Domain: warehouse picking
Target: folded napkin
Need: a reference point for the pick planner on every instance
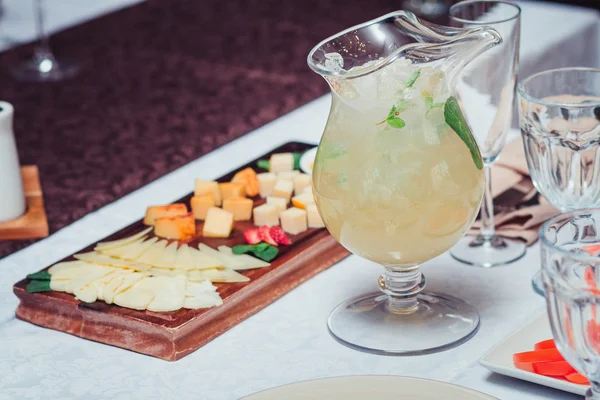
(511, 188)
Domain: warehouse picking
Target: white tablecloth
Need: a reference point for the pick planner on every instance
(285, 342)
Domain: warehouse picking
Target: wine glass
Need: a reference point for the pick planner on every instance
(560, 125)
(570, 244)
(398, 177)
(43, 66)
(486, 89)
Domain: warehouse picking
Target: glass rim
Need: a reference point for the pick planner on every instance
(586, 258)
(523, 93)
(498, 21)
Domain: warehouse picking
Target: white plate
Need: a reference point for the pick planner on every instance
(307, 159)
(368, 388)
(499, 359)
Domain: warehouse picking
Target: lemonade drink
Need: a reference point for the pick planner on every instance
(398, 178)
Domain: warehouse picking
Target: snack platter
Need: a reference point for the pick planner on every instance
(171, 335)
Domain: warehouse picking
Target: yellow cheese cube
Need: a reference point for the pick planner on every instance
(206, 187)
(302, 200)
(283, 189)
(240, 207)
(288, 175)
(201, 204)
(232, 189)
(293, 220)
(266, 183)
(314, 218)
(171, 210)
(300, 182)
(266, 214)
(279, 203)
(281, 162)
(219, 223)
(180, 227)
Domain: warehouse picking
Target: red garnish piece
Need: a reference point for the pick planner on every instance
(545, 345)
(251, 236)
(577, 378)
(264, 234)
(547, 355)
(553, 368)
(279, 235)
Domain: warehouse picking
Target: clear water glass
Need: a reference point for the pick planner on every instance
(560, 124)
(571, 275)
(486, 89)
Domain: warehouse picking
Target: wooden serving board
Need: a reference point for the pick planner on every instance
(173, 335)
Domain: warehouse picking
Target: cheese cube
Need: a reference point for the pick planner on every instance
(248, 178)
(240, 207)
(266, 215)
(266, 183)
(219, 223)
(293, 220)
(171, 210)
(201, 204)
(279, 203)
(314, 218)
(308, 189)
(283, 189)
(300, 182)
(288, 175)
(180, 227)
(281, 162)
(206, 187)
(232, 189)
(302, 200)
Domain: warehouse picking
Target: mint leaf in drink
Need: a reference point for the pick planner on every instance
(392, 112)
(412, 78)
(428, 102)
(40, 276)
(456, 120)
(36, 286)
(396, 122)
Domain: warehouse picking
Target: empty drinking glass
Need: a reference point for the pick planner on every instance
(571, 275)
(560, 124)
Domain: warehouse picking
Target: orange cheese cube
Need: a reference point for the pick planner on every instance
(171, 210)
(293, 220)
(180, 227)
(240, 207)
(201, 204)
(208, 187)
(232, 189)
(249, 179)
(219, 223)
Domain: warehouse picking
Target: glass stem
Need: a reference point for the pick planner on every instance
(42, 50)
(488, 230)
(402, 285)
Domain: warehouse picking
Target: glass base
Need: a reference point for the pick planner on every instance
(488, 252)
(367, 324)
(538, 283)
(46, 70)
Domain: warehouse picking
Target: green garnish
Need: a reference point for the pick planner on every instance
(428, 102)
(264, 251)
(393, 118)
(456, 120)
(265, 164)
(36, 286)
(41, 276)
(412, 78)
(297, 157)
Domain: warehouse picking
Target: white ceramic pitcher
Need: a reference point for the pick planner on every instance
(12, 198)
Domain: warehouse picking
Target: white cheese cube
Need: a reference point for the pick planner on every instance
(283, 189)
(281, 162)
(266, 214)
(266, 183)
(308, 189)
(279, 203)
(219, 223)
(288, 175)
(314, 218)
(293, 220)
(302, 181)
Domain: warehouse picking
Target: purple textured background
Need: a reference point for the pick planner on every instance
(163, 83)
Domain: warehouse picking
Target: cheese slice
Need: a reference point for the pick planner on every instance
(58, 285)
(114, 288)
(248, 261)
(160, 271)
(226, 260)
(224, 275)
(136, 297)
(203, 300)
(154, 253)
(108, 291)
(169, 293)
(100, 283)
(122, 242)
(196, 288)
(168, 257)
(103, 259)
(64, 265)
(79, 271)
(118, 251)
(135, 253)
(203, 260)
(178, 272)
(184, 258)
(93, 272)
